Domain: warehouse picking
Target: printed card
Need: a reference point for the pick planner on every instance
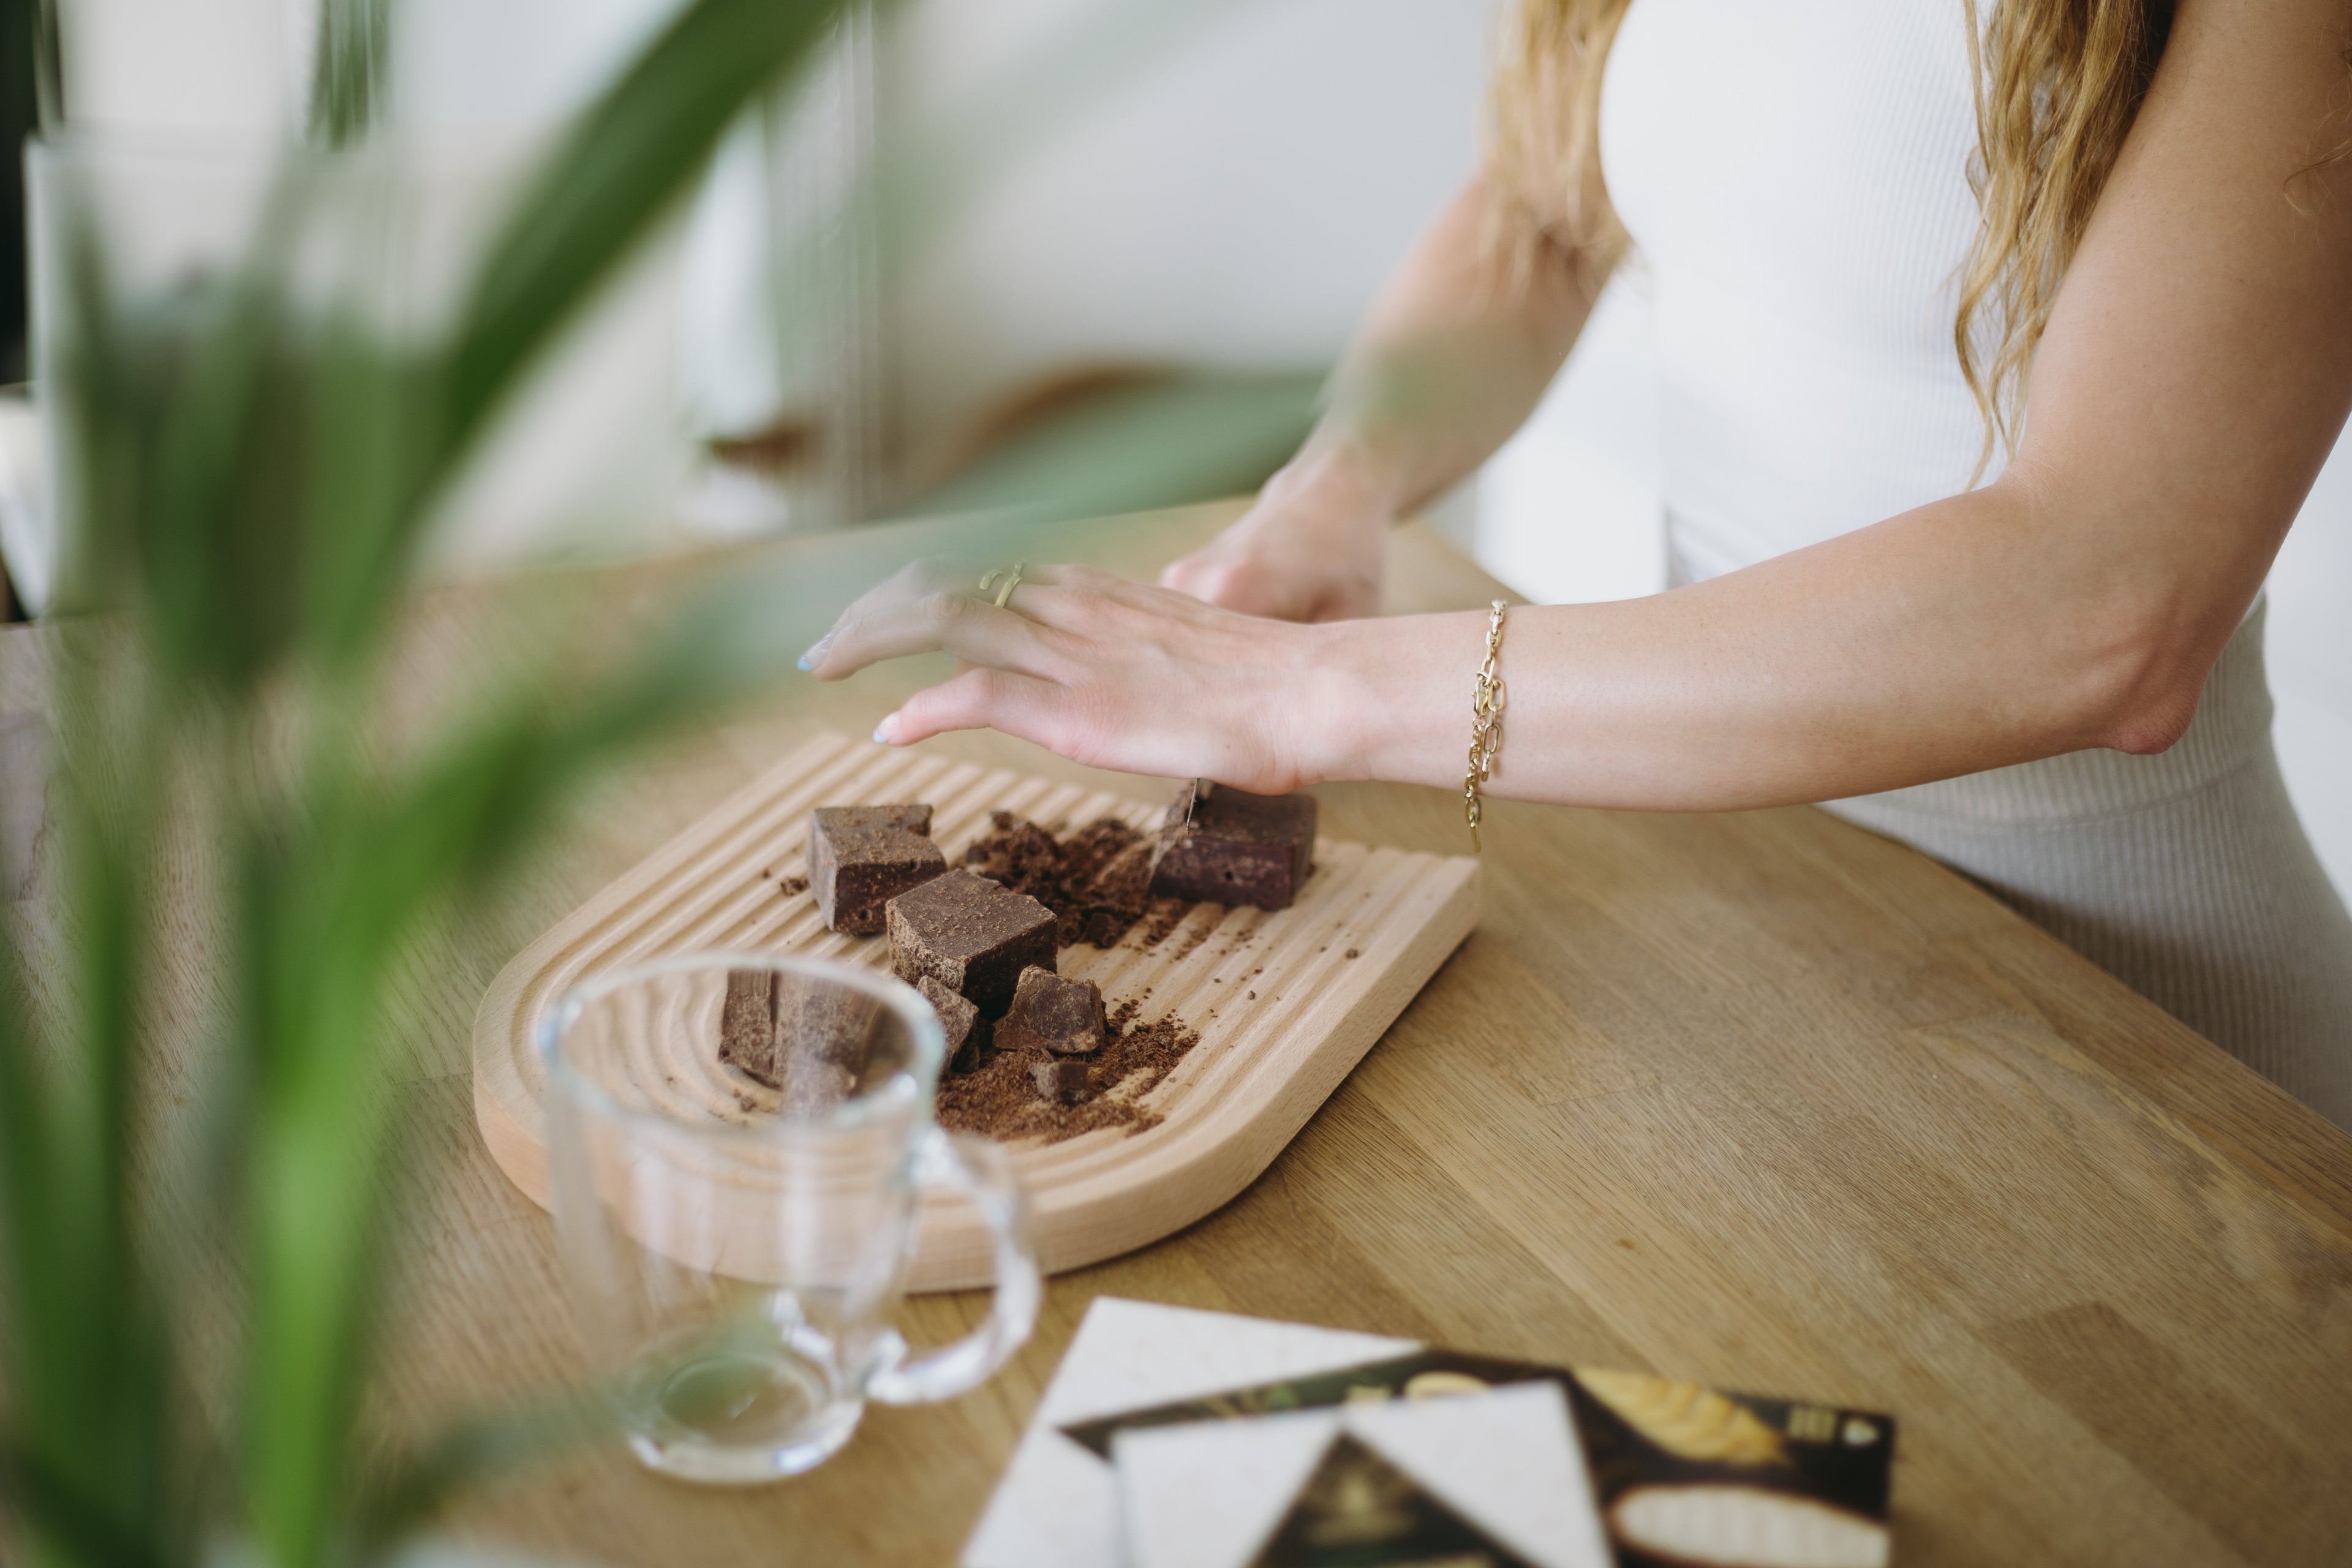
(1679, 1473)
(1487, 1480)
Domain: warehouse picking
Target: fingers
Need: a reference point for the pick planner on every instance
(930, 606)
(914, 613)
(1018, 705)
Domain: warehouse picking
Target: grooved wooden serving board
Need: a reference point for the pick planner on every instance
(1329, 973)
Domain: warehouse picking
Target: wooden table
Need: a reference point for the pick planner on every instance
(1758, 1100)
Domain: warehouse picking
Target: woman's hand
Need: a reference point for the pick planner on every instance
(1309, 550)
(1107, 672)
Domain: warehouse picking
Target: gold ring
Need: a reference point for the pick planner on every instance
(1012, 580)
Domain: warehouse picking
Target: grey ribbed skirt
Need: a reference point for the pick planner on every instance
(2186, 875)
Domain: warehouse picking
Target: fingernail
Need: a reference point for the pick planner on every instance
(815, 651)
(805, 663)
(882, 731)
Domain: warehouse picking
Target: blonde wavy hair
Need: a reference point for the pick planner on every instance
(2057, 85)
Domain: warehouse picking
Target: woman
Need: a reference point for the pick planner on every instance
(1891, 243)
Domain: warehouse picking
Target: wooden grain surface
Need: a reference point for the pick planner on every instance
(1283, 1003)
(1760, 1100)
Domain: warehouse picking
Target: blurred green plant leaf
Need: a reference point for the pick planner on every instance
(348, 61)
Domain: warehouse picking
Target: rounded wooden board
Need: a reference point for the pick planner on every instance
(1330, 975)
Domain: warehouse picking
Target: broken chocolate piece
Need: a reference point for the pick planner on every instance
(1228, 846)
(972, 936)
(966, 1030)
(747, 1024)
(1064, 1016)
(823, 1035)
(1062, 1079)
(818, 1020)
(802, 1037)
(861, 856)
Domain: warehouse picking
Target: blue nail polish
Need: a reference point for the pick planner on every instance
(804, 662)
(880, 738)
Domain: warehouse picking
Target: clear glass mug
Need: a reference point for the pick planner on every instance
(734, 1258)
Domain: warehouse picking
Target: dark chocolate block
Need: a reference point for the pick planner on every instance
(1064, 1016)
(827, 1023)
(966, 1030)
(747, 1024)
(1229, 846)
(972, 936)
(861, 856)
(807, 1039)
(1062, 1079)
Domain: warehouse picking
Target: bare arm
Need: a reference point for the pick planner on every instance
(2196, 372)
(1447, 364)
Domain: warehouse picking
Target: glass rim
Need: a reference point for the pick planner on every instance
(895, 994)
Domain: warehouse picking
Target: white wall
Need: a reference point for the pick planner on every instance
(1233, 201)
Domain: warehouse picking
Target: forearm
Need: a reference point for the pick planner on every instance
(1966, 634)
(1451, 359)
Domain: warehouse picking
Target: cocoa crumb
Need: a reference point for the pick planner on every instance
(1093, 880)
(1000, 1100)
(1349, 954)
(1192, 942)
(792, 885)
(1167, 914)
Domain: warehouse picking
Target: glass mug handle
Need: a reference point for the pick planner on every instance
(981, 1171)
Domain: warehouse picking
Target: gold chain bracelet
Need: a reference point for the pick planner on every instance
(1486, 724)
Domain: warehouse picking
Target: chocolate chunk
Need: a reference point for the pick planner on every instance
(1064, 1016)
(825, 1034)
(824, 1022)
(972, 936)
(1229, 846)
(966, 1030)
(747, 1024)
(804, 1037)
(861, 856)
(1062, 1079)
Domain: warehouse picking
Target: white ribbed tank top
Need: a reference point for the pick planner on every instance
(1795, 181)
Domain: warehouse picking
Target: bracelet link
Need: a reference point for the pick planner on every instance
(1486, 699)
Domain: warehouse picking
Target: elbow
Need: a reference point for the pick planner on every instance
(2146, 728)
(2143, 686)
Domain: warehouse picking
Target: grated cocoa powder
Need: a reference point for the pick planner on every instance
(1096, 881)
(999, 1099)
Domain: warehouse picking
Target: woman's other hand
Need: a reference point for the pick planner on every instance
(1309, 550)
